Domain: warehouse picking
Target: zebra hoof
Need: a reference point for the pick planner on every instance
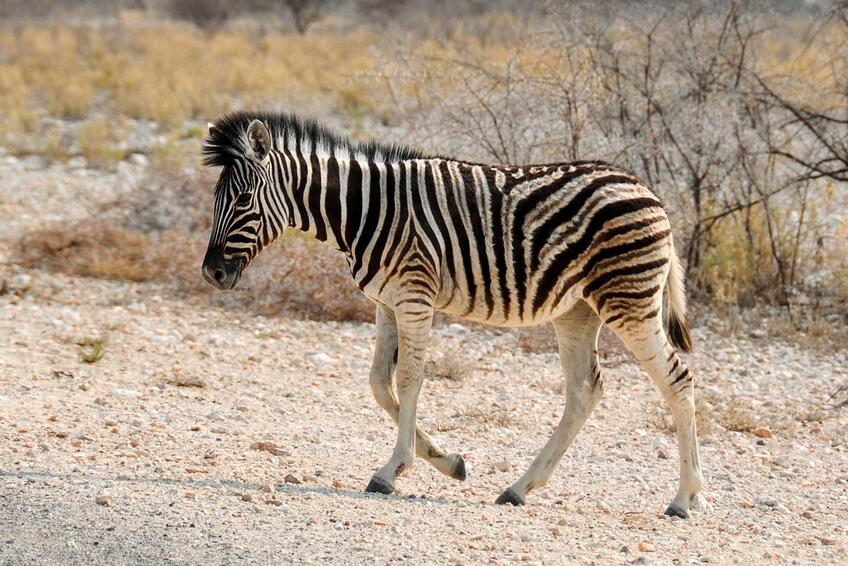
(379, 485)
(675, 511)
(510, 497)
(458, 470)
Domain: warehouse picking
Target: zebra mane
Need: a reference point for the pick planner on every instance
(227, 140)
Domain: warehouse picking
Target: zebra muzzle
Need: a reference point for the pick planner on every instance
(218, 272)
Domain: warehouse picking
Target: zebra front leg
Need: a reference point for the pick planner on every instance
(413, 335)
(577, 335)
(382, 372)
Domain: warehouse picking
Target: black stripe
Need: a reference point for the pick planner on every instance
(354, 203)
(498, 236)
(332, 201)
(611, 252)
(315, 194)
(299, 192)
(421, 214)
(402, 211)
(683, 374)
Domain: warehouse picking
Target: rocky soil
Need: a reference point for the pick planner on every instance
(138, 427)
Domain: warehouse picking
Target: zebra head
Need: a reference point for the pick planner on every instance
(240, 226)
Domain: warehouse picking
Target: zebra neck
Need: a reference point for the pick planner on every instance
(333, 198)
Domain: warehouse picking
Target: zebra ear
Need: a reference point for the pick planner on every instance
(210, 128)
(260, 139)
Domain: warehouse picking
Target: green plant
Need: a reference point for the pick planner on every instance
(92, 350)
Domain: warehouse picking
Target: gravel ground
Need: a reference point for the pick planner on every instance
(205, 436)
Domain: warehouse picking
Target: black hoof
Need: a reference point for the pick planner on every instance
(458, 471)
(675, 511)
(378, 485)
(509, 496)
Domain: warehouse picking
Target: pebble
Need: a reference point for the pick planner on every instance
(190, 494)
(104, 500)
(503, 465)
(291, 478)
(271, 448)
(662, 454)
(647, 547)
(762, 432)
(247, 497)
(310, 478)
(126, 393)
(771, 503)
(266, 486)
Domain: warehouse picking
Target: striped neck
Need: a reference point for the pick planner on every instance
(328, 197)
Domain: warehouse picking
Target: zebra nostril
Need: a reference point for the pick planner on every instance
(219, 275)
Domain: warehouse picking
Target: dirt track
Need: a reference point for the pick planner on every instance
(177, 461)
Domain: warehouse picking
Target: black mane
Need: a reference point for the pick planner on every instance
(227, 140)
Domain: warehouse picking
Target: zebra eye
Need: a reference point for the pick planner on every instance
(243, 200)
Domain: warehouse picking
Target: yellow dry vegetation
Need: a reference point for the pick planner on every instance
(169, 72)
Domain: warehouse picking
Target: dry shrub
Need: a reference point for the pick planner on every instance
(737, 416)
(539, 339)
(98, 249)
(304, 278)
(451, 364)
(705, 417)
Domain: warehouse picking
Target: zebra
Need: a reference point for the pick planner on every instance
(579, 245)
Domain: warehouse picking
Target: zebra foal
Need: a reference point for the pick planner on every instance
(575, 244)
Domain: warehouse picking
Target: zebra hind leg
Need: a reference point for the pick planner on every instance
(577, 335)
(645, 337)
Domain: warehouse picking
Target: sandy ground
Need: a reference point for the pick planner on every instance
(163, 430)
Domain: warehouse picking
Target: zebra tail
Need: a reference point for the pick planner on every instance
(675, 306)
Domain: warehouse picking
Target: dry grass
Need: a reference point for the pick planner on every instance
(450, 364)
(179, 379)
(839, 399)
(98, 142)
(478, 419)
(130, 70)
